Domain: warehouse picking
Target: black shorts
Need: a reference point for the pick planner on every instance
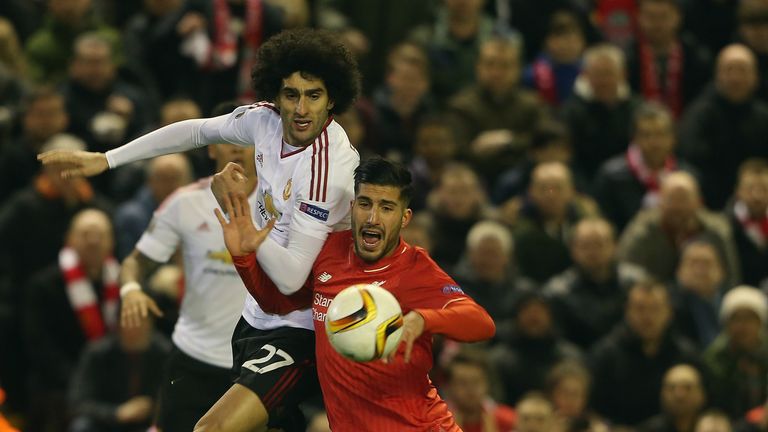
(189, 388)
(279, 366)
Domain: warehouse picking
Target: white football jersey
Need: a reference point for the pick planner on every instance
(214, 293)
(308, 190)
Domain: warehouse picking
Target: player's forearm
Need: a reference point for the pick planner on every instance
(462, 320)
(289, 267)
(174, 138)
(264, 291)
(135, 267)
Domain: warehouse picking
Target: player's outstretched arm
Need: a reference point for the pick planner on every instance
(462, 320)
(136, 304)
(74, 163)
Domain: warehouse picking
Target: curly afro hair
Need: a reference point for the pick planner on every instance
(316, 52)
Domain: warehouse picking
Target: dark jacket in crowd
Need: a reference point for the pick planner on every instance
(586, 310)
(628, 382)
(716, 136)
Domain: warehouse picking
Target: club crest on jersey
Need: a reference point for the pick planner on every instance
(287, 190)
(314, 211)
(260, 159)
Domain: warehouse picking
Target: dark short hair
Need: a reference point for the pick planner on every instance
(382, 172)
(470, 356)
(318, 53)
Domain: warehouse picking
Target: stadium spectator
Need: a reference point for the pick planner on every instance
(664, 64)
(588, 298)
(555, 69)
(43, 116)
(51, 48)
(114, 387)
(599, 113)
(654, 238)
(697, 292)
(737, 361)
(455, 204)
(748, 216)
(468, 386)
(635, 355)
(165, 174)
(486, 271)
(528, 345)
(631, 181)
(534, 413)
(568, 386)
(725, 124)
(547, 217)
(715, 421)
(683, 397)
(752, 19)
(402, 101)
(434, 149)
(68, 304)
(494, 117)
(453, 42)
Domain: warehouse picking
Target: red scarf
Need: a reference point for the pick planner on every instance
(224, 53)
(93, 320)
(651, 180)
(669, 92)
(544, 77)
(755, 229)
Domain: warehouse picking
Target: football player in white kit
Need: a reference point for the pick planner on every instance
(198, 370)
(305, 166)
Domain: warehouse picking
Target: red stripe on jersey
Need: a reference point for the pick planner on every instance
(320, 169)
(278, 388)
(266, 105)
(312, 181)
(327, 165)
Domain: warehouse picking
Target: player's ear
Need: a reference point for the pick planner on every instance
(407, 215)
(330, 105)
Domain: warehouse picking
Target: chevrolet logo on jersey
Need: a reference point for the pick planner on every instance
(222, 255)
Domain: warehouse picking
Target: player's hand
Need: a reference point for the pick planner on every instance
(240, 234)
(136, 305)
(75, 163)
(413, 327)
(135, 410)
(231, 179)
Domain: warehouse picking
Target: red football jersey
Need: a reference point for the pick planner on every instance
(375, 396)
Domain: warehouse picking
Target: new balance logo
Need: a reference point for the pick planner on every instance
(378, 283)
(324, 277)
(203, 227)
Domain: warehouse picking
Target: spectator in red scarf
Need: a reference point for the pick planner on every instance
(69, 304)
(748, 215)
(665, 65)
(630, 182)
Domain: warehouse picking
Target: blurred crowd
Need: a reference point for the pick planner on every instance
(593, 172)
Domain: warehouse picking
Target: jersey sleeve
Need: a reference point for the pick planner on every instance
(265, 292)
(161, 238)
(325, 195)
(240, 127)
(443, 305)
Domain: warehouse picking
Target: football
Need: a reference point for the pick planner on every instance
(364, 322)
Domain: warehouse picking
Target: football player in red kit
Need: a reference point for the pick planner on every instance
(383, 396)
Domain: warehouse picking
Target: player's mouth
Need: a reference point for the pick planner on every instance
(302, 125)
(371, 239)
